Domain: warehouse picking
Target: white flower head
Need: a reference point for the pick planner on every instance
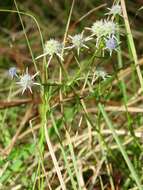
(78, 41)
(52, 47)
(26, 81)
(101, 73)
(103, 28)
(97, 28)
(114, 10)
(110, 28)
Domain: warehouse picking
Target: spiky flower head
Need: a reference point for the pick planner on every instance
(103, 28)
(110, 28)
(101, 73)
(111, 44)
(26, 81)
(52, 47)
(114, 10)
(78, 41)
(97, 28)
(12, 72)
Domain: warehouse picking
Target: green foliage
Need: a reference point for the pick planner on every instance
(78, 129)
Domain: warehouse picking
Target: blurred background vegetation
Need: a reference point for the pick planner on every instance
(18, 168)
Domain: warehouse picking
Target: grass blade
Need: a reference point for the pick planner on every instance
(54, 159)
(121, 148)
(131, 43)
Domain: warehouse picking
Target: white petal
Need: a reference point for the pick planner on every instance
(35, 75)
(30, 89)
(36, 83)
(42, 55)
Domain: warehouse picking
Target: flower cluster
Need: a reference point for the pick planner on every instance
(104, 31)
(103, 28)
(26, 81)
